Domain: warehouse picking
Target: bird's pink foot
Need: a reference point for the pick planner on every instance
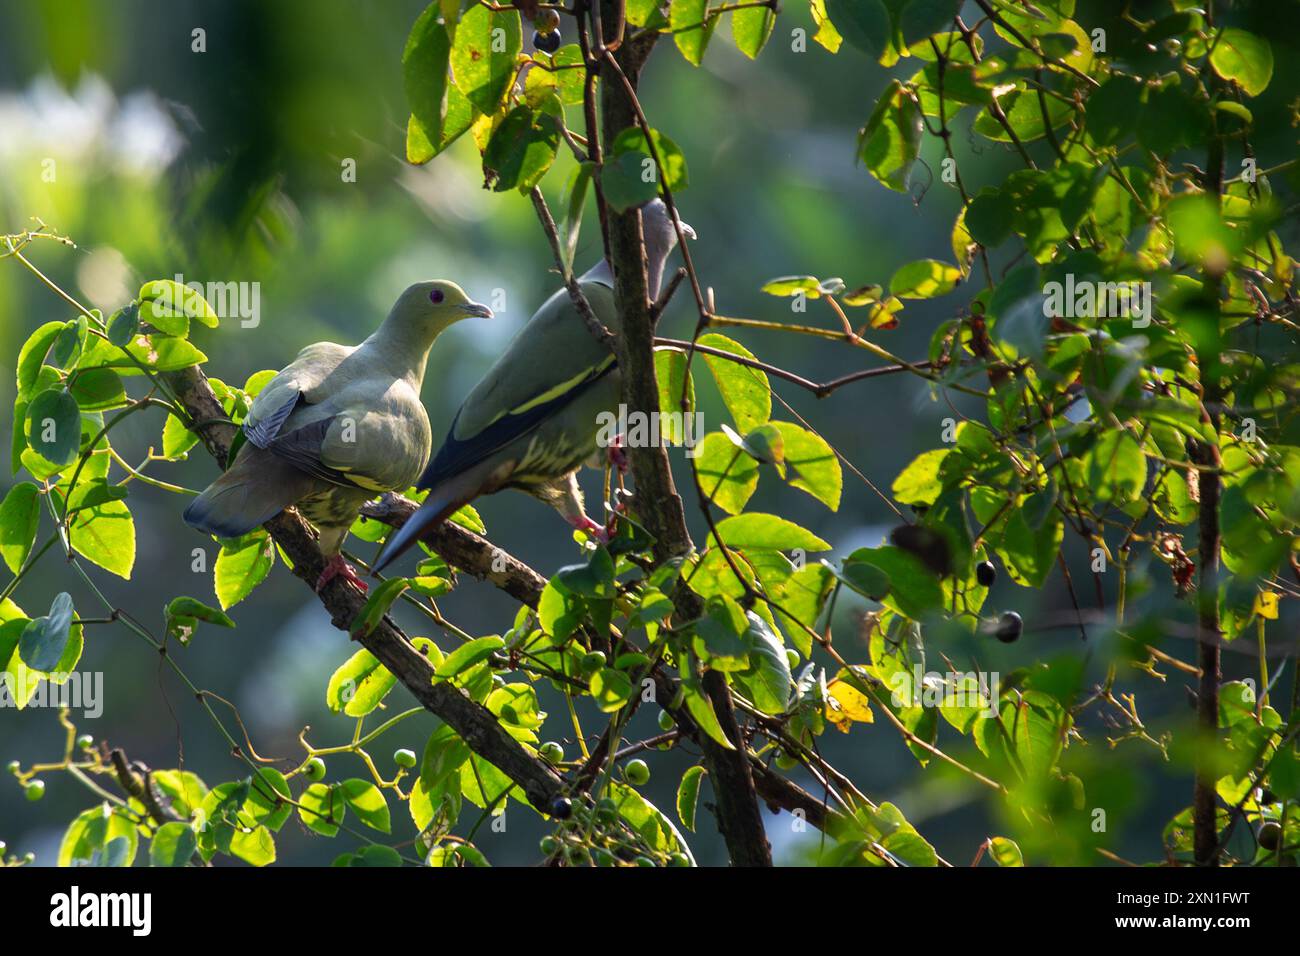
(617, 453)
(587, 526)
(337, 567)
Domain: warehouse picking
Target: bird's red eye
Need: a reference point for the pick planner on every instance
(435, 296)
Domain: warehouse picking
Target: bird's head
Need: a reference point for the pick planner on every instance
(427, 308)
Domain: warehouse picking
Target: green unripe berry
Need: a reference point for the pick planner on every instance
(34, 790)
(577, 855)
(592, 661)
(644, 861)
(85, 741)
(404, 758)
(315, 769)
(549, 845)
(604, 858)
(637, 773)
(29, 857)
(547, 21)
(791, 658)
(14, 767)
(552, 752)
(666, 721)
(3, 846)
(679, 859)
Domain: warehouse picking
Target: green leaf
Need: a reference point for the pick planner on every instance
(377, 604)
(701, 710)
(611, 689)
(123, 325)
(32, 356)
(864, 23)
(769, 532)
(45, 639)
(322, 808)
(1005, 852)
(359, 685)
(567, 83)
(105, 535)
(368, 803)
(629, 180)
(1244, 58)
(242, 565)
(559, 611)
(789, 285)
(750, 28)
(89, 835)
(269, 800)
(1117, 469)
(919, 483)
(483, 53)
(768, 681)
(54, 426)
(727, 475)
(891, 141)
(159, 352)
(688, 795)
(720, 635)
(671, 161)
(521, 149)
(914, 591)
(168, 306)
(98, 389)
(183, 614)
(924, 279)
(670, 375)
(20, 516)
(424, 74)
(469, 654)
(990, 216)
(745, 391)
(810, 464)
(691, 32)
(173, 844)
(176, 438)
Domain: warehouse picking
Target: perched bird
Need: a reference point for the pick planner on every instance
(337, 427)
(532, 421)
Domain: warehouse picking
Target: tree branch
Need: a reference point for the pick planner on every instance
(739, 816)
(475, 724)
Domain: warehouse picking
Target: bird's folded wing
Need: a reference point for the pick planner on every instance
(458, 454)
(551, 361)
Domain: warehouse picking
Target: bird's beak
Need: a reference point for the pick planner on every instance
(687, 231)
(477, 309)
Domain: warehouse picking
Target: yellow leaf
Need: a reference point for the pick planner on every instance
(1266, 605)
(847, 705)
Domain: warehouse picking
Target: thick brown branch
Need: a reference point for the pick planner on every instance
(473, 722)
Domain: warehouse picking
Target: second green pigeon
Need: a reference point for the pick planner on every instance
(533, 420)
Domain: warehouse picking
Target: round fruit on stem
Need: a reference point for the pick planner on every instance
(315, 769)
(1010, 627)
(637, 772)
(547, 21)
(404, 758)
(547, 42)
(986, 574)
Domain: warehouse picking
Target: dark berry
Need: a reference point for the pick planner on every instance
(1270, 835)
(986, 574)
(547, 42)
(561, 808)
(1009, 627)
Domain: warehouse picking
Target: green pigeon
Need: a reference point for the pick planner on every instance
(534, 418)
(337, 427)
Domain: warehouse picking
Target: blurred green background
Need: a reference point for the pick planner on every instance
(226, 166)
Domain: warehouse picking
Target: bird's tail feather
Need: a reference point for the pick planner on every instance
(255, 489)
(436, 509)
